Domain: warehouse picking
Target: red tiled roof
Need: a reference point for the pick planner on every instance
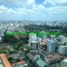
(21, 62)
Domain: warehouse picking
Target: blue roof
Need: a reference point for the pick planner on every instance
(41, 63)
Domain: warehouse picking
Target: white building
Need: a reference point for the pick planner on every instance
(64, 63)
(33, 41)
(51, 45)
(34, 44)
(32, 37)
(62, 39)
(62, 50)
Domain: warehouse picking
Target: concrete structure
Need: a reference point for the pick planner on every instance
(32, 37)
(43, 44)
(53, 58)
(2, 32)
(1, 39)
(20, 64)
(33, 55)
(62, 39)
(51, 46)
(62, 50)
(52, 36)
(64, 63)
(41, 63)
(33, 42)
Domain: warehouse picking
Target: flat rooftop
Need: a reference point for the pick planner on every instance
(65, 60)
(53, 58)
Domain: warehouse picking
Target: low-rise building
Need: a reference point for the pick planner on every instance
(21, 63)
(53, 58)
(63, 50)
(41, 63)
(33, 56)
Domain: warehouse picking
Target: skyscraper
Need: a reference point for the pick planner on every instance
(51, 46)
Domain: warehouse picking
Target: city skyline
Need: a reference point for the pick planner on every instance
(33, 10)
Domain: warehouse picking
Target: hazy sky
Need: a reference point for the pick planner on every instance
(33, 9)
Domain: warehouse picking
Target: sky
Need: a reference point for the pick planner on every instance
(37, 10)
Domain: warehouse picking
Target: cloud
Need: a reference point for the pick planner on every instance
(60, 1)
(28, 7)
(15, 1)
(56, 6)
(30, 1)
(3, 9)
(57, 10)
(30, 10)
(56, 2)
(22, 1)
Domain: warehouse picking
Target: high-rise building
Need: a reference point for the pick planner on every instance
(62, 50)
(51, 46)
(61, 39)
(34, 44)
(32, 37)
(33, 41)
(64, 63)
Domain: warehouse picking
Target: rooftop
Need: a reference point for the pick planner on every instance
(65, 60)
(5, 60)
(41, 63)
(53, 58)
(21, 62)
